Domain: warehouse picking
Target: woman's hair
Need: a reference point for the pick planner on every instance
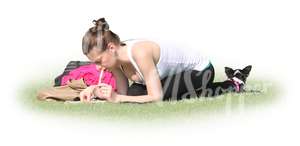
(99, 36)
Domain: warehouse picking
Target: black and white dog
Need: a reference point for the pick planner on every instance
(237, 77)
(236, 80)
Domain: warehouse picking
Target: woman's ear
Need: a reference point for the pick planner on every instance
(111, 47)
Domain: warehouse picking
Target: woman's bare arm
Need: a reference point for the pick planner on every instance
(145, 62)
(121, 81)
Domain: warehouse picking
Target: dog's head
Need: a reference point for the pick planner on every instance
(239, 75)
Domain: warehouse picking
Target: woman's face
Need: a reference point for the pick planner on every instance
(105, 58)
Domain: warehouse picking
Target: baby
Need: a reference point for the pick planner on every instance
(105, 77)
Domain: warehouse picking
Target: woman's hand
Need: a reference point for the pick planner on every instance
(105, 91)
(87, 94)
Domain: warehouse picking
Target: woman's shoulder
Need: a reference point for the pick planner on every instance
(140, 42)
(141, 45)
(141, 49)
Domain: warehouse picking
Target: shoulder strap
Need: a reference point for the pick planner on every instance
(129, 53)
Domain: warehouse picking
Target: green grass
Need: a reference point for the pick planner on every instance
(151, 111)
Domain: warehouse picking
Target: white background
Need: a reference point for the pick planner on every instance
(40, 36)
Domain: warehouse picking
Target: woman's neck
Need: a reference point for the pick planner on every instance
(122, 55)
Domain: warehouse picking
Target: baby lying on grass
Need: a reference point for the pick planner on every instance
(76, 81)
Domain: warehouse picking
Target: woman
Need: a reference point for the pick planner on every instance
(158, 72)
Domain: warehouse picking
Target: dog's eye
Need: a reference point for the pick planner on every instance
(238, 75)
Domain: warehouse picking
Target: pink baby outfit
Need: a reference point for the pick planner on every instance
(90, 75)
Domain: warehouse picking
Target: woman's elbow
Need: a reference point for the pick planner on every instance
(157, 97)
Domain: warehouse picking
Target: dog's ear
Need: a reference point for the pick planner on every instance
(247, 70)
(229, 72)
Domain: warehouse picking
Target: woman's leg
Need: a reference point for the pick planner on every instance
(187, 84)
(180, 86)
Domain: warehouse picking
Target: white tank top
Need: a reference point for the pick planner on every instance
(173, 59)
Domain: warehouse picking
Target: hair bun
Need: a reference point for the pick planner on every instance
(101, 24)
